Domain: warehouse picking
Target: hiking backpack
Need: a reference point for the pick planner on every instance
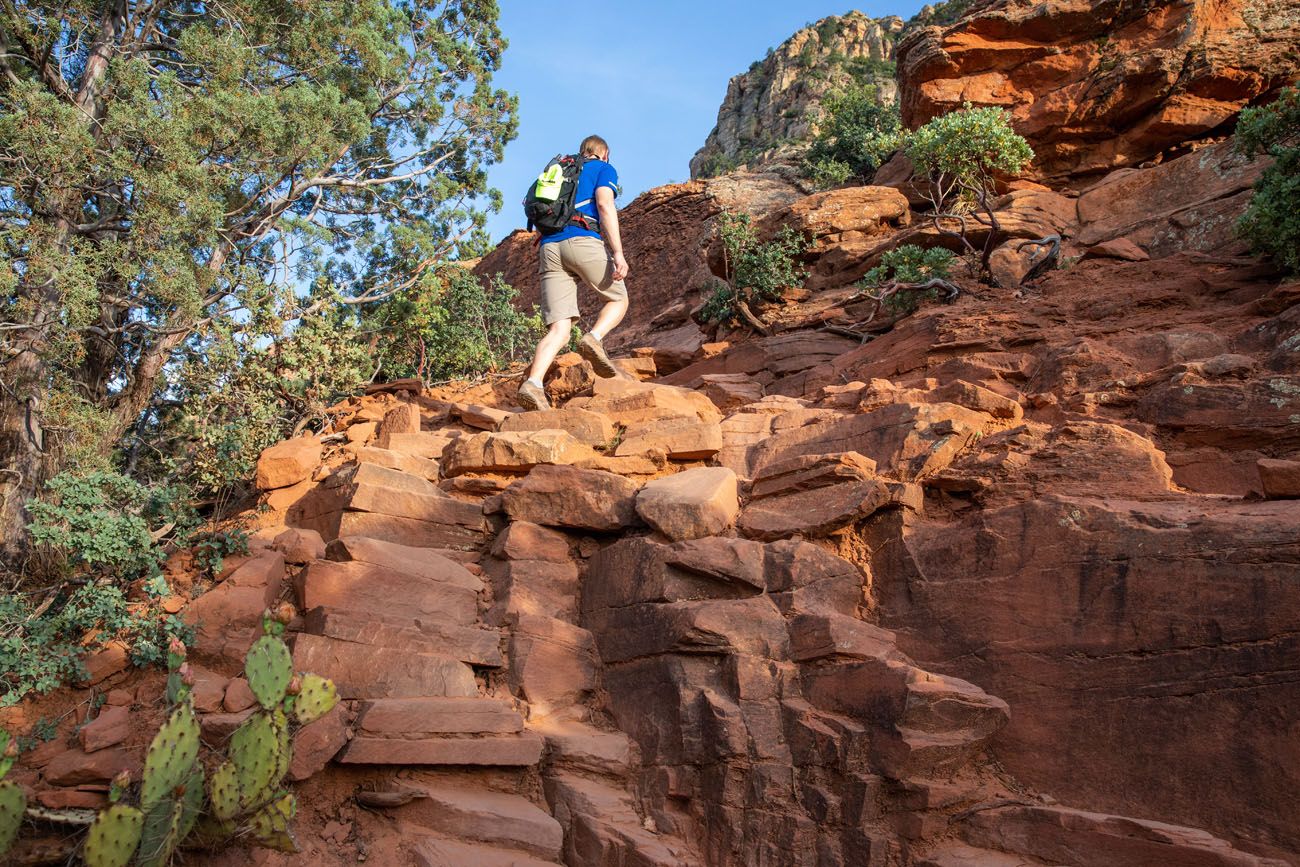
(550, 203)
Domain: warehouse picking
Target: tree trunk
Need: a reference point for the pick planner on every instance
(24, 463)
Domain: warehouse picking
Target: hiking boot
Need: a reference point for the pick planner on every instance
(531, 397)
(590, 349)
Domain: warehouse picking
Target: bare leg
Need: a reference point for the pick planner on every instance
(549, 347)
(610, 315)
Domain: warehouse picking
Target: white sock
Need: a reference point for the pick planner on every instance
(534, 382)
(600, 338)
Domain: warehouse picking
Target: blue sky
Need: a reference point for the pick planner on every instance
(648, 76)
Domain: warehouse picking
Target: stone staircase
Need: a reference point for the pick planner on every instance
(572, 637)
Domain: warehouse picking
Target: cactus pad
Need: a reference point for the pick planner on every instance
(317, 698)
(284, 744)
(270, 825)
(255, 753)
(269, 668)
(223, 792)
(114, 837)
(191, 802)
(161, 833)
(13, 801)
(6, 760)
(170, 758)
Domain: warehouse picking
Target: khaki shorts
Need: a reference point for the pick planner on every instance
(563, 264)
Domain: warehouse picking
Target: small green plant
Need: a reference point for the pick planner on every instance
(907, 276)
(42, 645)
(958, 157)
(856, 134)
(243, 797)
(755, 271)
(1272, 222)
(13, 800)
(212, 549)
(828, 29)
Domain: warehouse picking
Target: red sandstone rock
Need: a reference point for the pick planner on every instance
(360, 671)
(591, 428)
(568, 497)
(690, 504)
(238, 697)
(419, 562)
(515, 451)
(364, 588)
(401, 419)
(1091, 90)
(524, 541)
(491, 817)
(316, 743)
(1117, 248)
(74, 767)
(300, 546)
(1281, 479)
(71, 799)
(287, 463)
(113, 658)
(416, 466)
(111, 727)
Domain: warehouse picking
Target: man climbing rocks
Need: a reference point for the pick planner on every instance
(577, 252)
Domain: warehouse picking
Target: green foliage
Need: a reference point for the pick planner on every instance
(41, 646)
(941, 14)
(856, 134)
(969, 148)
(1272, 221)
(957, 158)
(453, 325)
(868, 70)
(163, 211)
(13, 803)
(102, 523)
(756, 271)
(895, 280)
(828, 29)
(212, 549)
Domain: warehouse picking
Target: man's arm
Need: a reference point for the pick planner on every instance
(609, 228)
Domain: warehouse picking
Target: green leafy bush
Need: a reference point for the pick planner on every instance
(755, 271)
(957, 158)
(1272, 221)
(856, 135)
(103, 523)
(41, 646)
(900, 281)
(454, 325)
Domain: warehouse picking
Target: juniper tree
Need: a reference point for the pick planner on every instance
(168, 166)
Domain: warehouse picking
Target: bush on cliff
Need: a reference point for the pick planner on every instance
(857, 133)
(958, 157)
(756, 271)
(1272, 221)
(907, 276)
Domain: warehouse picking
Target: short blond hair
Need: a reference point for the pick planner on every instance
(594, 146)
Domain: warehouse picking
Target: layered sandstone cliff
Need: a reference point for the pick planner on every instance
(771, 109)
(1099, 84)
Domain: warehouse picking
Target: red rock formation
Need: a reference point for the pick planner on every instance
(1099, 84)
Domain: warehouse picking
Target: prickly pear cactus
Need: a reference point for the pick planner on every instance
(269, 668)
(171, 757)
(161, 833)
(255, 752)
(270, 825)
(223, 792)
(13, 801)
(316, 698)
(114, 837)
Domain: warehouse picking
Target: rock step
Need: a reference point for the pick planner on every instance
(441, 852)
(414, 560)
(602, 825)
(495, 818)
(369, 589)
(589, 749)
(363, 671)
(957, 855)
(422, 717)
(472, 644)
(487, 750)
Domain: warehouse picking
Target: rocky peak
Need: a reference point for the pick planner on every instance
(771, 106)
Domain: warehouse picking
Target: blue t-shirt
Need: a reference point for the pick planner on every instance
(595, 174)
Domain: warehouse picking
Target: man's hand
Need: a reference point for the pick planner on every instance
(620, 266)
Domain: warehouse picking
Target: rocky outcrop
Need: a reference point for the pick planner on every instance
(1097, 84)
(772, 107)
